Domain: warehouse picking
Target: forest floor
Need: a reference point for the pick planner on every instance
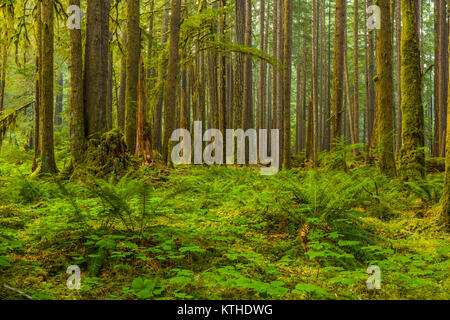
(220, 233)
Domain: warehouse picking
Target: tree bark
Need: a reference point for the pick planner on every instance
(133, 54)
(143, 131)
(442, 74)
(37, 90)
(247, 114)
(446, 194)
(238, 91)
(76, 103)
(287, 50)
(59, 99)
(262, 71)
(157, 115)
(123, 85)
(96, 68)
(385, 91)
(412, 154)
(172, 78)
(48, 164)
(399, 72)
(356, 72)
(338, 76)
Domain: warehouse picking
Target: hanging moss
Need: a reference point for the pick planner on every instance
(8, 121)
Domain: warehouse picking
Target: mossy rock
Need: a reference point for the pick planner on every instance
(105, 156)
(435, 165)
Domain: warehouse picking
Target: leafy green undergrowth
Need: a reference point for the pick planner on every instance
(221, 233)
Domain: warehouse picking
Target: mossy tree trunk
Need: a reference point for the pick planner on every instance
(37, 88)
(48, 164)
(132, 65)
(412, 154)
(76, 103)
(398, 35)
(442, 51)
(446, 194)
(385, 91)
(123, 85)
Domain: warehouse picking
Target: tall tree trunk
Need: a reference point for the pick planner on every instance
(143, 130)
(287, 50)
(247, 115)
(3, 65)
(222, 80)
(442, 73)
(356, 72)
(262, 71)
(338, 68)
(48, 164)
(280, 84)
(76, 103)
(412, 154)
(298, 109)
(314, 76)
(329, 85)
(372, 96)
(157, 115)
(213, 81)
(238, 91)
(399, 72)
(274, 69)
(385, 91)
(348, 97)
(172, 78)
(123, 85)
(446, 194)
(37, 90)
(4, 62)
(437, 72)
(59, 99)
(96, 68)
(304, 105)
(109, 96)
(133, 53)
